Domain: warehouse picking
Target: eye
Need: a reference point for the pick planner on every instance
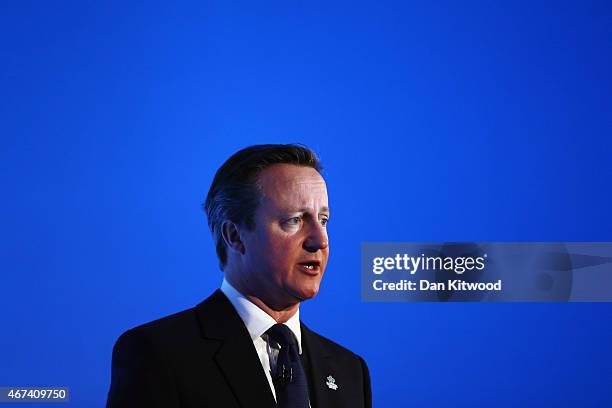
(294, 220)
(324, 221)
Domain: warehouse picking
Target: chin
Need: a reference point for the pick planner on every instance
(308, 293)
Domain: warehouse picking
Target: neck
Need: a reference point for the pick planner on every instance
(279, 314)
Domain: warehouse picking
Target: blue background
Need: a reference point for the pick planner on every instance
(464, 121)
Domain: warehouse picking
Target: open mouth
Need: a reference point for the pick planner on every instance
(310, 267)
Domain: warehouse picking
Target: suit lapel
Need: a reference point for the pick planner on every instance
(320, 364)
(236, 357)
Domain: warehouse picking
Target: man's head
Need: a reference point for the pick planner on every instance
(267, 209)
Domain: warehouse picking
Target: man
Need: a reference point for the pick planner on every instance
(245, 345)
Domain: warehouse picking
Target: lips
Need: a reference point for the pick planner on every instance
(312, 267)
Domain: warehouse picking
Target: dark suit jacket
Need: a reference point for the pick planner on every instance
(204, 357)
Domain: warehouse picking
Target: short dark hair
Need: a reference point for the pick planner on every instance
(235, 194)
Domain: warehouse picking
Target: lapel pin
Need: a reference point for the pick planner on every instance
(331, 383)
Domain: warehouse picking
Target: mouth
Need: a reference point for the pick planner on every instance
(312, 268)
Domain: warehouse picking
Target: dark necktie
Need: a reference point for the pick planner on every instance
(289, 379)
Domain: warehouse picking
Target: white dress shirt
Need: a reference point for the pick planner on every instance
(257, 323)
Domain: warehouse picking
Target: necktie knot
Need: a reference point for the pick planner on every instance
(281, 334)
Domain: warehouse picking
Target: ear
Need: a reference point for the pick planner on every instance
(231, 236)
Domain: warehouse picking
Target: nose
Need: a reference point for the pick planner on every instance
(317, 238)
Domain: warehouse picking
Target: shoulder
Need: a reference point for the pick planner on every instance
(179, 329)
(158, 341)
(146, 358)
(167, 329)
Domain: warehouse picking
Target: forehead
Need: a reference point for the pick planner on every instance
(290, 185)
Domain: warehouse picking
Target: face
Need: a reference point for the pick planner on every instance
(286, 253)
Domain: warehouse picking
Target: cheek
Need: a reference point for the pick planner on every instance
(281, 241)
(276, 250)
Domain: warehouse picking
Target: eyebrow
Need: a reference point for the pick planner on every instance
(323, 210)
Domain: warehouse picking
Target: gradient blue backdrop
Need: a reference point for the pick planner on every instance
(445, 121)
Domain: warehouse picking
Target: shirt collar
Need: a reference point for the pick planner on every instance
(256, 320)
